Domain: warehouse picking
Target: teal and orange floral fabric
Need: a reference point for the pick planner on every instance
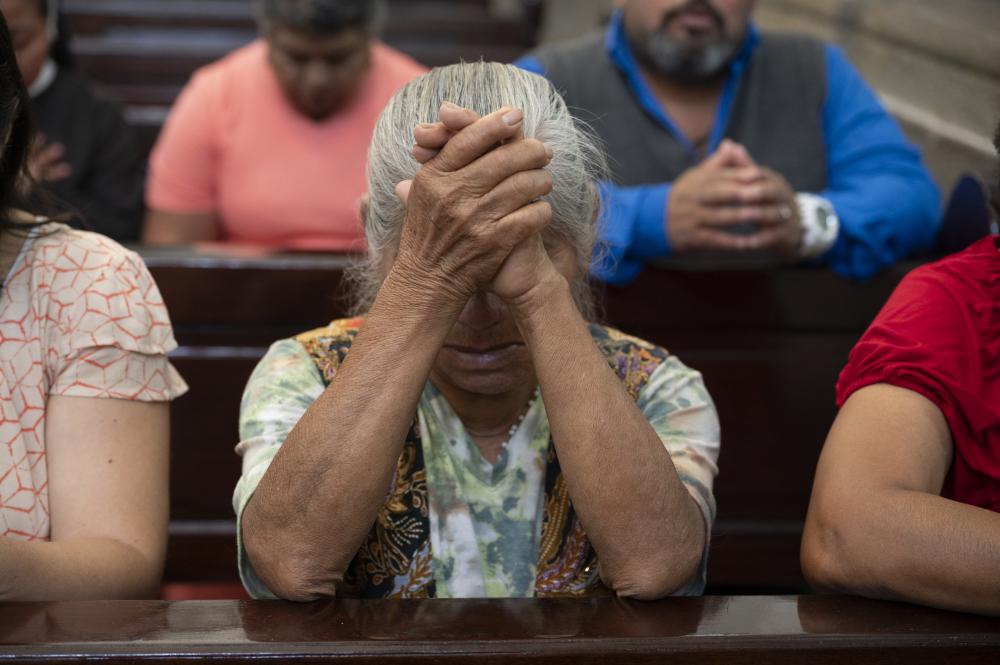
(455, 525)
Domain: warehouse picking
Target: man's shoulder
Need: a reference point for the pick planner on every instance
(391, 62)
(243, 64)
(578, 52)
(73, 93)
(793, 48)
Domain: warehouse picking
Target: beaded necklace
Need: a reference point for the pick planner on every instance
(520, 419)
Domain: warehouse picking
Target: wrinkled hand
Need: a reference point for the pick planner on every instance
(711, 201)
(528, 263)
(46, 163)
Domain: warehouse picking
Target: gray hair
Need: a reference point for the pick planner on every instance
(322, 17)
(577, 163)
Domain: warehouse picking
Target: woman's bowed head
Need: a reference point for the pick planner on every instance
(480, 223)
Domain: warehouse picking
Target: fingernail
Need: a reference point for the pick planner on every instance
(425, 125)
(548, 152)
(450, 106)
(513, 117)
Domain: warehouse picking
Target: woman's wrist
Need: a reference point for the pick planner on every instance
(536, 306)
(411, 292)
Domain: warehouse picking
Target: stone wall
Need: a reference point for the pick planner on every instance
(934, 63)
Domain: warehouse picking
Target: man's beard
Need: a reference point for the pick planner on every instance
(683, 62)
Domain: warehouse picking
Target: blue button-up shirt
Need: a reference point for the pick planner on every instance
(885, 199)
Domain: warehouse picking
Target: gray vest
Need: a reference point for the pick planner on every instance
(777, 113)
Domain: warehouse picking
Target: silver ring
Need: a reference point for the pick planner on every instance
(785, 212)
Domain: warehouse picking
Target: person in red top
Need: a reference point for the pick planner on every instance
(907, 493)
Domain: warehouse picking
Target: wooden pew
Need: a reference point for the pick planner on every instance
(813, 630)
(770, 344)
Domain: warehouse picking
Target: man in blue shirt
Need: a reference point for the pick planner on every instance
(723, 139)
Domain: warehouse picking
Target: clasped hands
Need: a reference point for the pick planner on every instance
(730, 190)
(474, 213)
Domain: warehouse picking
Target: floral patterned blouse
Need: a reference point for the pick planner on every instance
(485, 519)
(80, 316)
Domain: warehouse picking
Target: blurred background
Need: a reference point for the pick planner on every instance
(936, 65)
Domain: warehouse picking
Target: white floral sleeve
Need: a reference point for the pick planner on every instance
(678, 406)
(281, 389)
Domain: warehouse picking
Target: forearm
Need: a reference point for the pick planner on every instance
(647, 529)
(320, 495)
(908, 545)
(86, 568)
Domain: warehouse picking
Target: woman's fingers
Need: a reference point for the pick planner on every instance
(422, 154)
(517, 191)
(523, 222)
(432, 135)
(456, 118)
(403, 190)
(477, 139)
(504, 161)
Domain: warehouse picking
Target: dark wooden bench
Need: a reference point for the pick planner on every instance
(770, 344)
(812, 630)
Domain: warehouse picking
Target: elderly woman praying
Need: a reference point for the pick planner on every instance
(472, 435)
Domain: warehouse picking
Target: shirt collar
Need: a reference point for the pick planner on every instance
(618, 48)
(620, 52)
(45, 78)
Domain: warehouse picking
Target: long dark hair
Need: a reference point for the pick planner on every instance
(18, 190)
(15, 130)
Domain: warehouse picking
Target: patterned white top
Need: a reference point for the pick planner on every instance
(80, 316)
(485, 519)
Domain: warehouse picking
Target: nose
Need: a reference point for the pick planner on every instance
(482, 311)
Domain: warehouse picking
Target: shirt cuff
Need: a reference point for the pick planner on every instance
(649, 239)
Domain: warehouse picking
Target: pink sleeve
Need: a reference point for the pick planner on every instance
(183, 165)
(112, 331)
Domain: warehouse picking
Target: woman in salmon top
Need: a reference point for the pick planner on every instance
(84, 386)
(268, 145)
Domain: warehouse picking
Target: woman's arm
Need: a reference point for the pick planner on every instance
(108, 504)
(648, 530)
(321, 493)
(877, 525)
(169, 228)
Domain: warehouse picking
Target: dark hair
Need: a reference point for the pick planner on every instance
(18, 191)
(322, 17)
(15, 126)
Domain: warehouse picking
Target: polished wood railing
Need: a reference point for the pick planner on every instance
(813, 630)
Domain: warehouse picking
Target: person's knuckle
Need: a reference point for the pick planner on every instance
(545, 183)
(535, 150)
